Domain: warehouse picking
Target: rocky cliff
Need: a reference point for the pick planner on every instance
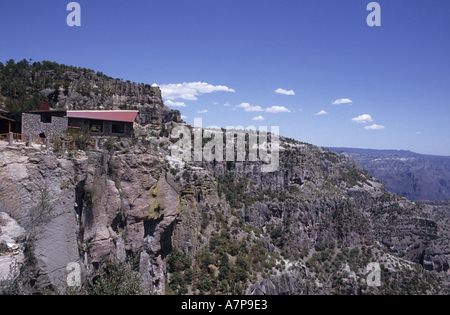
(113, 94)
(412, 175)
(314, 226)
(311, 227)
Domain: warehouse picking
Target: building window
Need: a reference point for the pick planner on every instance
(118, 127)
(96, 126)
(46, 119)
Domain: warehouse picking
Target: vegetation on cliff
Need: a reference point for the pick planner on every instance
(311, 227)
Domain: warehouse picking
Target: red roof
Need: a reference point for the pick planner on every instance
(113, 115)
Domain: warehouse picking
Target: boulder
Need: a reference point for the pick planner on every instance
(12, 236)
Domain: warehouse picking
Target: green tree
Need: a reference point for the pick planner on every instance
(82, 136)
(118, 278)
(35, 101)
(188, 276)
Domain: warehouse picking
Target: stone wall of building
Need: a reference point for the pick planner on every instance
(32, 125)
(107, 130)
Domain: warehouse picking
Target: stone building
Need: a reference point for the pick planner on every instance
(101, 123)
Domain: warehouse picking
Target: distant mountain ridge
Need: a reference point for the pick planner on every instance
(377, 152)
(412, 175)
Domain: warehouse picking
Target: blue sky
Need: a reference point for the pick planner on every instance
(390, 85)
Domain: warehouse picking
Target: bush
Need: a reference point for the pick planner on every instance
(109, 143)
(205, 220)
(234, 192)
(3, 247)
(188, 275)
(178, 261)
(320, 247)
(304, 251)
(186, 175)
(276, 232)
(117, 278)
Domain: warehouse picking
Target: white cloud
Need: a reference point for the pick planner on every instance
(285, 92)
(362, 119)
(277, 109)
(322, 112)
(274, 109)
(202, 111)
(183, 117)
(342, 101)
(227, 104)
(189, 91)
(418, 133)
(174, 104)
(374, 127)
(250, 108)
(261, 118)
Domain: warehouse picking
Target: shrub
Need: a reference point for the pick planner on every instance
(178, 261)
(109, 143)
(205, 220)
(276, 232)
(188, 275)
(320, 247)
(118, 278)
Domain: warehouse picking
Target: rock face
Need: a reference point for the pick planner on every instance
(283, 283)
(310, 189)
(319, 210)
(100, 205)
(152, 116)
(24, 183)
(11, 245)
(116, 94)
(310, 227)
(87, 90)
(414, 176)
(129, 205)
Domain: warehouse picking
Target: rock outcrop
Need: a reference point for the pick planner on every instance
(283, 283)
(115, 94)
(29, 177)
(310, 227)
(411, 175)
(99, 204)
(11, 246)
(286, 232)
